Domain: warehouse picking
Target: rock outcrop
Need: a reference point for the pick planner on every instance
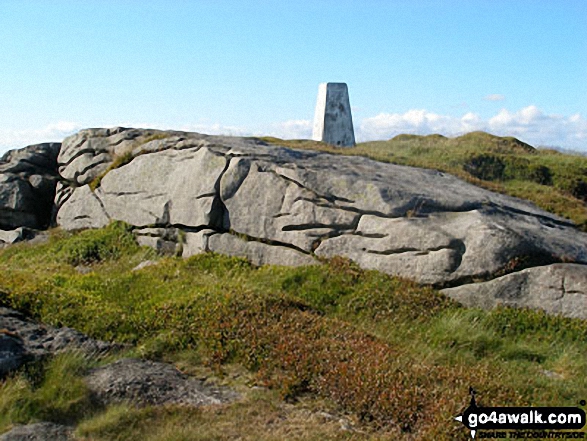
(144, 382)
(44, 431)
(557, 289)
(23, 340)
(187, 193)
(28, 178)
(277, 205)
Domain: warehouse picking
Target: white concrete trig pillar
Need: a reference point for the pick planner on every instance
(333, 122)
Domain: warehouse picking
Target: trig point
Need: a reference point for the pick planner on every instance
(333, 122)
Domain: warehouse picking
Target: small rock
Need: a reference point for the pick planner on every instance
(38, 432)
(11, 236)
(144, 264)
(552, 374)
(83, 269)
(151, 383)
(23, 340)
(12, 353)
(345, 425)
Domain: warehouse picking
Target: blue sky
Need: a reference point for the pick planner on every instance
(422, 66)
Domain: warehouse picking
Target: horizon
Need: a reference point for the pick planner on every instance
(222, 67)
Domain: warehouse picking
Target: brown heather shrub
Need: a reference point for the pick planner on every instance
(297, 351)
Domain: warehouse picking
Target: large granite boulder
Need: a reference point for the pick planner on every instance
(28, 178)
(187, 193)
(557, 289)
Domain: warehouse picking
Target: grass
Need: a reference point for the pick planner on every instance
(52, 390)
(263, 416)
(394, 357)
(554, 181)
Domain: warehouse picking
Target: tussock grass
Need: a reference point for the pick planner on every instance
(51, 392)
(396, 357)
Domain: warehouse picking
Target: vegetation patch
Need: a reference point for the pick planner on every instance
(118, 162)
(395, 357)
(50, 390)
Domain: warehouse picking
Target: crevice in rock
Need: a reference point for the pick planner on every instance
(219, 215)
(563, 289)
(131, 135)
(345, 208)
(352, 229)
(395, 251)
(545, 220)
(90, 167)
(316, 225)
(277, 243)
(101, 205)
(93, 151)
(402, 212)
(206, 195)
(330, 198)
(63, 196)
(515, 265)
(167, 226)
(369, 235)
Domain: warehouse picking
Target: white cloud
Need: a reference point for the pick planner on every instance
(494, 97)
(417, 121)
(534, 126)
(10, 139)
(292, 129)
(530, 124)
(213, 129)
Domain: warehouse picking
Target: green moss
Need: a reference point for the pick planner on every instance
(118, 162)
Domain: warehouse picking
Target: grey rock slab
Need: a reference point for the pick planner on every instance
(43, 431)
(162, 246)
(557, 289)
(196, 242)
(83, 209)
(438, 248)
(12, 236)
(88, 153)
(165, 188)
(257, 252)
(289, 213)
(143, 382)
(28, 178)
(23, 339)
